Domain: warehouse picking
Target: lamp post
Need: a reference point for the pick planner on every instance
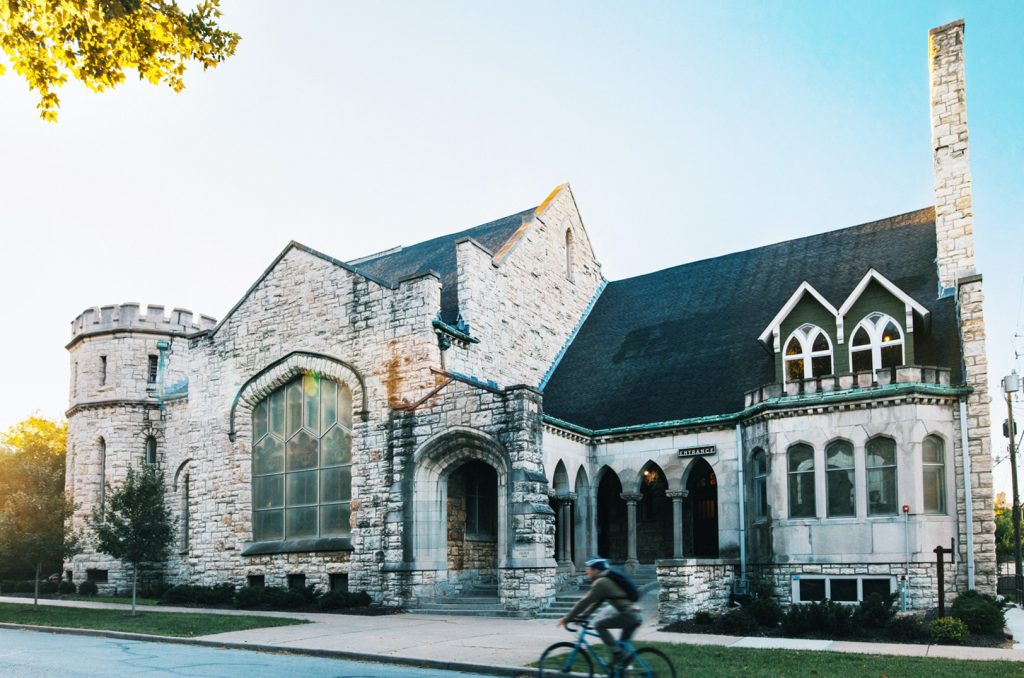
(1011, 384)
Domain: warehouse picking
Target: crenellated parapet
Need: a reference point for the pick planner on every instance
(129, 316)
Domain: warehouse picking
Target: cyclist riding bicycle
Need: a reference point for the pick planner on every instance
(621, 615)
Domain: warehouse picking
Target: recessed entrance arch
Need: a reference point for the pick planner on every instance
(473, 467)
(472, 520)
(703, 499)
(612, 531)
(654, 516)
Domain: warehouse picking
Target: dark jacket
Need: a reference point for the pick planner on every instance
(601, 589)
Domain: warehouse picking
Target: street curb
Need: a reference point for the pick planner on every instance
(462, 667)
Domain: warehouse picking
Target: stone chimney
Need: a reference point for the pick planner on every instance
(954, 234)
(954, 228)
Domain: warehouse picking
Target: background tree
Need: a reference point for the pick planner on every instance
(96, 41)
(35, 513)
(1004, 530)
(135, 525)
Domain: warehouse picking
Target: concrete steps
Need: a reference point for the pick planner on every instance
(645, 577)
(480, 601)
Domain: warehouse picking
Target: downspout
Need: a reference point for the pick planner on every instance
(743, 529)
(968, 497)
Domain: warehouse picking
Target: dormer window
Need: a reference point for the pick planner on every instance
(876, 344)
(808, 353)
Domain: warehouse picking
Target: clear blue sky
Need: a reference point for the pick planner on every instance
(687, 131)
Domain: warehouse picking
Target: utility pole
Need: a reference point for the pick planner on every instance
(1011, 384)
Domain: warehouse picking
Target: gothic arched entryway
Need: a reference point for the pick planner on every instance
(703, 498)
(654, 516)
(612, 534)
(472, 520)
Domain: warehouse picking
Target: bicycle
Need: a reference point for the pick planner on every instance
(579, 658)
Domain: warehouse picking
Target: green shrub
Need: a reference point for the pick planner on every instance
(48, 586)
(87, 588)
(24, 587)
(704, 617)
(948, 631)
(766, 611)
(308, 593)
(155, 591)
(249, 597)
(737, 622)
(980, 612)
(360, 599)
(875, 611)
(907, 629)
(824, 618)
(65, 586)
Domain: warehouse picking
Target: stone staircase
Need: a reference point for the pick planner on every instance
(645, 577)
(479, 601)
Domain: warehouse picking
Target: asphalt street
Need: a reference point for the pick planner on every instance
(28, 654)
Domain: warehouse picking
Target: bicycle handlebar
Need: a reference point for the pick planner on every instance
(581, 623)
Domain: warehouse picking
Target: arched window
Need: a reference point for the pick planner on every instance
(760, 464)
(569, 254)
(881, 467)
(876, 343)
(302, 461)
(839, 479)
(801, 481)
(150, 450)
(933, 458)
(808, 353)
(184, 525)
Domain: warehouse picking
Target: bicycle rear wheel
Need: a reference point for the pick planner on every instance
(563, 659)
(649, 662)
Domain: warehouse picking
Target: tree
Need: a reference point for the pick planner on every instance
(1005, 551)
(135, 526)
(96, 41)
(35, 513)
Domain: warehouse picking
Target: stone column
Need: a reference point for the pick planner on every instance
(565, 509)
(677, 497)
(631, 499)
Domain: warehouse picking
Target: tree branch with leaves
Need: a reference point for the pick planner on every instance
(96, 41)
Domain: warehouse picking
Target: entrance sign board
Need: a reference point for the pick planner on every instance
(697, 451)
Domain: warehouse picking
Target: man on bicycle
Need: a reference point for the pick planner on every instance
(621, 615)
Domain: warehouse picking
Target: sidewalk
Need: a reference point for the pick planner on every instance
(505, 645)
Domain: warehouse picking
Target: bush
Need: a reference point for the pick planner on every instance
(737, 622)
(249, 597)
(154, 591)
(48, 586)
(907, 629)
(189, 594)
(360, 599)
(704, 617)
(24, 587)
(980, 612)
(875, 611)
(766, 611)
(948, 631)
(66, 587)
(87, 588)
(825, 618)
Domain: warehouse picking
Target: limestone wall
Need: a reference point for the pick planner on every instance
(688, 586)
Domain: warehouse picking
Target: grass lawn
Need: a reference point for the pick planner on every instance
(707, 661)
(111, 599)
(181, 624)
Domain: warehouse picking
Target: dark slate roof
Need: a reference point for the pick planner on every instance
(438, 255)
(682, 342)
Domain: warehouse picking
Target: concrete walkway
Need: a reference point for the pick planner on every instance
(503, 645)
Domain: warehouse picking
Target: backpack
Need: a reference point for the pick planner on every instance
(623, 581)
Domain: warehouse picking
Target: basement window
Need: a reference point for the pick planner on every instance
(255, 580)
(338, 582)
(813, 588)
(98, 576)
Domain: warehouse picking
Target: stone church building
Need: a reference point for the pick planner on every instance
(485, 409)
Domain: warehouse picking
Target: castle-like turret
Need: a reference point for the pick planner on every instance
(126, 366)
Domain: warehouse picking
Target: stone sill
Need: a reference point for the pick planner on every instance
(690, 562)
(260, 548)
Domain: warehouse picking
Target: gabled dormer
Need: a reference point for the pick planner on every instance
(802, 336)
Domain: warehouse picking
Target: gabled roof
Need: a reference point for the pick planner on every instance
(787, 308)
(438, 255)
(683, 342)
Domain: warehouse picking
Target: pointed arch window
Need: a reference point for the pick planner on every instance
(934, 469)
(876, 344)
(570, 253)
(302, 461)
(150, 450)
(760, 464)
(801, 481)
(808, 353)
(881, 471)
(840, 479)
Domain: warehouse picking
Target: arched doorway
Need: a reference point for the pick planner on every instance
(612, 535)
(703, 499)
(472, 521)
(654, 516)
(583, 519)
(560, 487)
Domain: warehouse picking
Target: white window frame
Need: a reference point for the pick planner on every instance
(805, 336)
(874, 324)
(797, 578)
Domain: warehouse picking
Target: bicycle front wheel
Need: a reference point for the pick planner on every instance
(649, 662)
(564, 659)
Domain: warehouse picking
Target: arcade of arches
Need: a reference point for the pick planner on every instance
(636, 518)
